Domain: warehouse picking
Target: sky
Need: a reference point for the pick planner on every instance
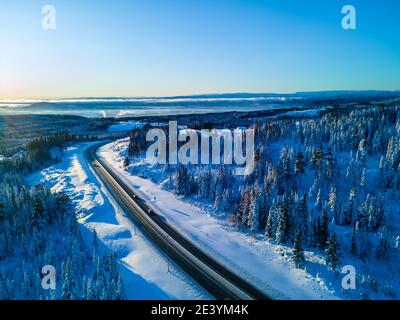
(182, 47)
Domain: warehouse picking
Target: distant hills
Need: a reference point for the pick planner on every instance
(204, 103)
(238, 95)
(44, 106)
(305, 94)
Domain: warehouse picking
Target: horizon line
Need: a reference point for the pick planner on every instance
(291, 93)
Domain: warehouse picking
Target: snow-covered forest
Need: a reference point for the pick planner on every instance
(40, 228)
(327, 183)
(325, 188)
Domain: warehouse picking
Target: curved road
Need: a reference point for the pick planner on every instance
(214, 277)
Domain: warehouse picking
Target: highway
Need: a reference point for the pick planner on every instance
(218, 280)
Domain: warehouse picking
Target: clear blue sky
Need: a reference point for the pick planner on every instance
(154, 47)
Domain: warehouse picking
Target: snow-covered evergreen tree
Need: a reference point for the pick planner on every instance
(254, 214)
(281, 235)
(333, 253)
(298, 252)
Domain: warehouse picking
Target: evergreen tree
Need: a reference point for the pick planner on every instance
(182, 181)
(90, 290)
(229, 202)
(69, 287)
(269, 232)
(375, 214)
(316, 159)
(332, 201)
(120, 291)
(298, 252)
(332, 253)
(362, 152)
(37, 211)
(299, 164)
(95, 242)
(303, 218)
(254, 215)
(330, 165)
(318, 203)
(323, 230)
(350, 216)
(362, 214)
(244, 207)
(353, 246)
(204, 184)
(383, 250)
(281, 235)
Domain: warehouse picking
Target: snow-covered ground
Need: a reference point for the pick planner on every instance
(146, 272)
(264, 264)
